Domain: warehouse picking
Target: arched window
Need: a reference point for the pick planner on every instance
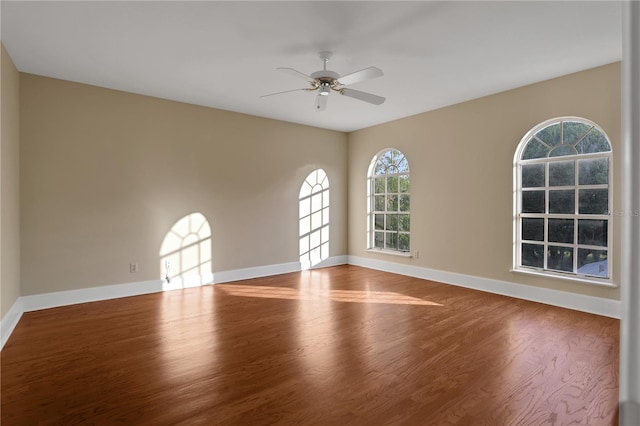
(185, 254)
(563, 170)
(389, 202)
(314, 219)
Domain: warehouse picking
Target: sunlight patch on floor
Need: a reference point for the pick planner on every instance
(353, 296)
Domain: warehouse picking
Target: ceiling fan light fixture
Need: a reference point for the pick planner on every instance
(324, 90)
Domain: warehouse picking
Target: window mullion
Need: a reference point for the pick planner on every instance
(545, 251)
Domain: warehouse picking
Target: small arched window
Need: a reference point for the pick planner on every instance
(562, 200)
(389, 202)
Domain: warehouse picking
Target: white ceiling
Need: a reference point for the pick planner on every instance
(225, 54)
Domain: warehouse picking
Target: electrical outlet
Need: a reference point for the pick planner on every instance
(133, 268)
(416, 254)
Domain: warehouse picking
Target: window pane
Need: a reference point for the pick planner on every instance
(533, 229)
(592, 232)
(392, 203)
(385, 163)
(550, 135)
(403, 242)
(379, 221)
(561, 231)
(404, 222)
(593, 262)
(379, 185)
(533, 255)
(562, 173)
(533, 201)
(573, 131)
(379, 239)
(562, 150)
(391, 240)
(560, 258)
(534, 149)
(403, 165)
(594, 201)
(392, 222)
(392, 184)
(379, 203)
(404, 203)
(391, 161)
(533, 175)
(404, 183)
(562, 201)
(593, 172)
(593, 142)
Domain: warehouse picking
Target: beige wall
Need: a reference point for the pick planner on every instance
(9, 185)
(461, 160)
(105, 175)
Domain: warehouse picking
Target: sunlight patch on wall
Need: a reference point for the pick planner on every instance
(185, 254)
(314, 219)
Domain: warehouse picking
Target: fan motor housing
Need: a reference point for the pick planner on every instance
(325, 75)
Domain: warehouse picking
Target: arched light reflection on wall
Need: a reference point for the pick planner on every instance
(185, 254)
(314, 219)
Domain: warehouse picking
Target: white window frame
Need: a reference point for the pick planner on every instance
(371, 211)
(519, 215)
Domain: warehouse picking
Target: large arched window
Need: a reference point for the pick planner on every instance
(314, 219)
(562, 172)
(389, 202)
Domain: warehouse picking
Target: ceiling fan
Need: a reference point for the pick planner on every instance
(325, 81)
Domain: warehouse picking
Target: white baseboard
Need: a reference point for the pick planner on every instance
(255, 272)
(10, 320)
(91, 294)
(594, 305)
(332, 261)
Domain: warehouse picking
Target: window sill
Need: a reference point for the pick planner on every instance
(581, 279)
(406, 254)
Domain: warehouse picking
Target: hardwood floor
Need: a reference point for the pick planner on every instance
(335, 346)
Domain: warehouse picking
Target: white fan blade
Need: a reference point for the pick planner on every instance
(363, 96)
(286, 91)
(365, 74)
(297, 73)
(321, 102)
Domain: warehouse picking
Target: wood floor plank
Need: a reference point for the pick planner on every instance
(342, 345)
